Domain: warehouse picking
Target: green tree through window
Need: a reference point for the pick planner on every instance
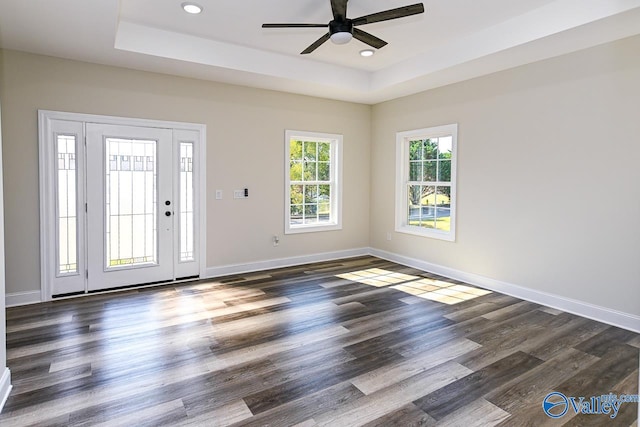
(429, 188)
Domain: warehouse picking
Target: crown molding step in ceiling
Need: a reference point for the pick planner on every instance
(451, 41)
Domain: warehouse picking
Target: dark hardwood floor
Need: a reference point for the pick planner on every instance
(354, 342)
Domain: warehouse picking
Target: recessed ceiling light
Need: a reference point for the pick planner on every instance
(367, 52)
(191, 8)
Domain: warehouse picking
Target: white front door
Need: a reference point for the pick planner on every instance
(122, 202)
(130, 206)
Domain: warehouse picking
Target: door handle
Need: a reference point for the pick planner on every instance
(168, 213)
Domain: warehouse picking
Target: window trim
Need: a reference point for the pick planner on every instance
(402, 177)
(336, 181)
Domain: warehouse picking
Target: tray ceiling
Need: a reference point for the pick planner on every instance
(452, 41)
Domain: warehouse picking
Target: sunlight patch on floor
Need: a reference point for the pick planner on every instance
(431, 289)
(377, 277)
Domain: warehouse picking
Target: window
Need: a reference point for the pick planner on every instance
(312, 182)
(187, 244)
(426, 185)
(66, 187)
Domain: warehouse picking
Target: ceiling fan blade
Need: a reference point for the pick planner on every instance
(293, 25)
(369, 39)
(316, 44)
(400, 12)
(339, 9)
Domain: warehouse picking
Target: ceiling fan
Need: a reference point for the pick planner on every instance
(342, 29)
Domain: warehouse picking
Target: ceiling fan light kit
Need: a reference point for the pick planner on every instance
(342, 29)
(341, 38)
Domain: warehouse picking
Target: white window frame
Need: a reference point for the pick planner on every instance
(402, 180)
(336, 182)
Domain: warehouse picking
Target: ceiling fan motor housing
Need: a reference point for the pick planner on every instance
(345, 26)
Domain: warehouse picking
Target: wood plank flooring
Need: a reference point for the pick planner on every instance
(346, 343)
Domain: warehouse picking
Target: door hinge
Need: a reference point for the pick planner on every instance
(86, 273)
(85, 207)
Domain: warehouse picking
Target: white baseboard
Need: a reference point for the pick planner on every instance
(23, 298)
(581, 308)
(5, 387)
(228, 270)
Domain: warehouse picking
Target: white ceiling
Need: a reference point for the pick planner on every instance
(452, 41)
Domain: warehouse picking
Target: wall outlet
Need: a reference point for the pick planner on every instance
(388, 236)
(238, 194)
(218, 194)
(276, 240)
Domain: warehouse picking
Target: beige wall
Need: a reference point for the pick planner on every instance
(548, 175)
(245, 148)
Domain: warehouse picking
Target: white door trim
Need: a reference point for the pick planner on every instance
(47, 206)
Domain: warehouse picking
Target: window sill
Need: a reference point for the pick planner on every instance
(312, 228)
(427, 232)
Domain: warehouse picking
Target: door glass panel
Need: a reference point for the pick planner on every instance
(67, 214)
(130, 202)
(186, 201)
